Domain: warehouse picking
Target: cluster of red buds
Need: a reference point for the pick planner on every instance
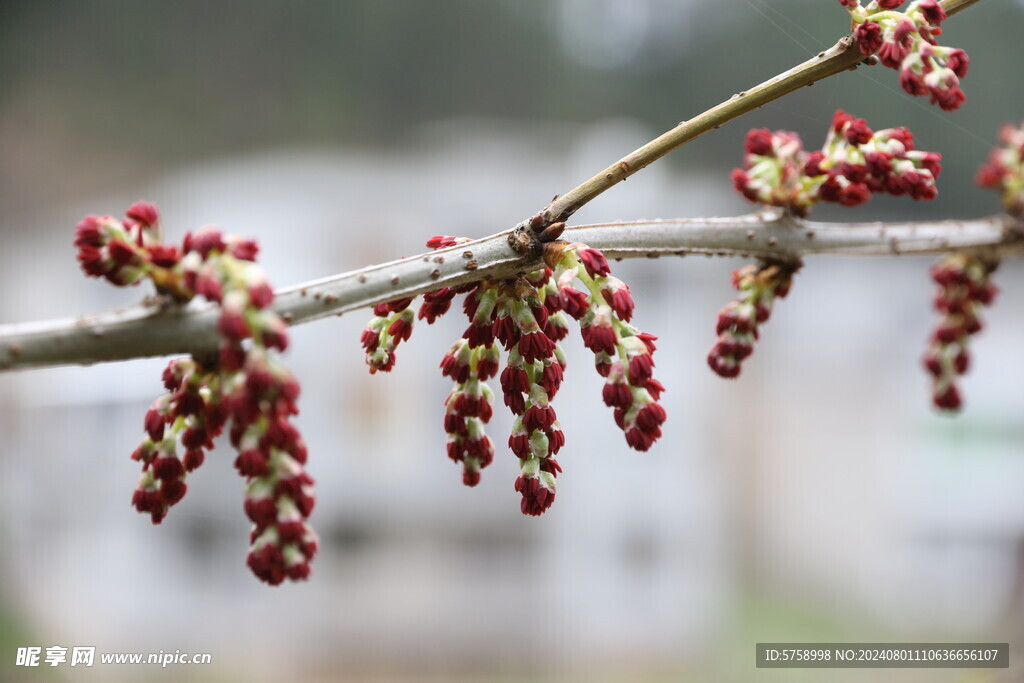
(525, 317)
(906, 41)
(759, 286)
(124, 251)
(623, 355)
(773, 171)
(391, 325)
(528, 316)
(964, 288)
(854, 163)
(1004, 170)
(240, 383)
(189, 412)
(469, 406)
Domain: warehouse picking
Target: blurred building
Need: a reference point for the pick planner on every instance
(817, 497)
(821, 473)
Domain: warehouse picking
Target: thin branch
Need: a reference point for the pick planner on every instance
(954, 6)
(157, 328)
(842, 56)
(769, 234)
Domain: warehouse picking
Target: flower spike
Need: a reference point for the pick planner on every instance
(854, 163)
(1004, 170)
(964, 289)
(740, 320)
(906, 41)
(528, 317)
(241, 384)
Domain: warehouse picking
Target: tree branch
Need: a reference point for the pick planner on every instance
(771, 234)
(158, 328)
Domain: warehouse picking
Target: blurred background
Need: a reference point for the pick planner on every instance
(818, 498)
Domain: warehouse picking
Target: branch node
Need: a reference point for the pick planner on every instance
(523, 241)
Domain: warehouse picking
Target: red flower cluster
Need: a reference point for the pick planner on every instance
(906, 41)
(271, 455)
(529, 316)
(123, 251)
(964, 288)
(623, 355)
(1004, 170)
(189, 413)
(773, 171)
(240, 383)
(390, 326)
(854, 163)
(858, 161)
(470, 406)
(738, 322)
(529, 323)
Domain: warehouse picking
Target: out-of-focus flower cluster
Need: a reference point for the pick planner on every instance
(854, 163)
(528, 317)
(1004, 170)
(241, 384)
(759, 286)
(906, 41)
(964, 288)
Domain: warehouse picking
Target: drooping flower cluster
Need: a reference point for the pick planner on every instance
(623, 355)
(272, 455)
(1004, 170)
(964, 288)
(759, 286)
(469, 406)
(528, 322)
(390, 326)
(528, 316)
(240, 383)
(191, 412)
(906, 41)
(854, 163)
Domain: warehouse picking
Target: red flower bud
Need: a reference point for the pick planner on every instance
(758, 142)
(164, 256)
(143, 213)
(869, 37)
(537, 498)
(594, 261)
